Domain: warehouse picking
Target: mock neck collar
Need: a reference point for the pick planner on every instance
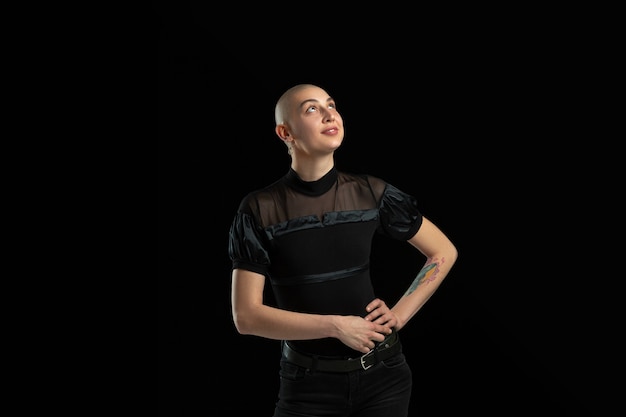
(313, 188)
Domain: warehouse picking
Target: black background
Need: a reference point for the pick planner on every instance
(475, 120)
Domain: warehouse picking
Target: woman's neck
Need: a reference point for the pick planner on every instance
(312, 169)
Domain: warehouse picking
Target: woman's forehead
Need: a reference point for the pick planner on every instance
(310, 94)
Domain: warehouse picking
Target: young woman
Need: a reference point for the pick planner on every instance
(309, 234)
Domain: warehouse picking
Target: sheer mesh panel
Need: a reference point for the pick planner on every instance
(281, 203)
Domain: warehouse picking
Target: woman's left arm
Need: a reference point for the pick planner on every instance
(441, 254)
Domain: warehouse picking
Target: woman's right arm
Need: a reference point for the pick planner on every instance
(253, 317)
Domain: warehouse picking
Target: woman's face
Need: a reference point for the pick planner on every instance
(314, 124)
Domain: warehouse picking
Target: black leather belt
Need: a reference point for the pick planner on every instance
(384, 350)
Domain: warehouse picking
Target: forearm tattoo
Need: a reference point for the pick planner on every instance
(427, 274)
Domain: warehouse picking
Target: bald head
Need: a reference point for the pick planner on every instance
(285, 102)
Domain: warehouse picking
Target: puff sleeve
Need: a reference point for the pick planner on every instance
(400, 217)
(247, 246)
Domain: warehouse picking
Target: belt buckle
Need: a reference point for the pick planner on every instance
(365, 368)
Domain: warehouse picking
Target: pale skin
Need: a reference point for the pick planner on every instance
(308, 122)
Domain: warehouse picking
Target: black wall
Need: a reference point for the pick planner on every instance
(467, 121)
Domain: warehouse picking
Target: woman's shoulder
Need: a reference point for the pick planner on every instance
(372, 181)
(251, 198)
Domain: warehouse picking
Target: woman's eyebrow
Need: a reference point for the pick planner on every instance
(314, 101)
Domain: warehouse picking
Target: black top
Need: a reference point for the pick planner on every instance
(313, 241)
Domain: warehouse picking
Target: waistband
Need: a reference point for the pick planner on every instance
(383, 350)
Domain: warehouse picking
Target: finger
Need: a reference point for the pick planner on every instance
(374, 304)
(381, 333)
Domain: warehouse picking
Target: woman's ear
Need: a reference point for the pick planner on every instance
(282, 132)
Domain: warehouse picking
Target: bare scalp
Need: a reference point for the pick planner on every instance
(284, 102)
